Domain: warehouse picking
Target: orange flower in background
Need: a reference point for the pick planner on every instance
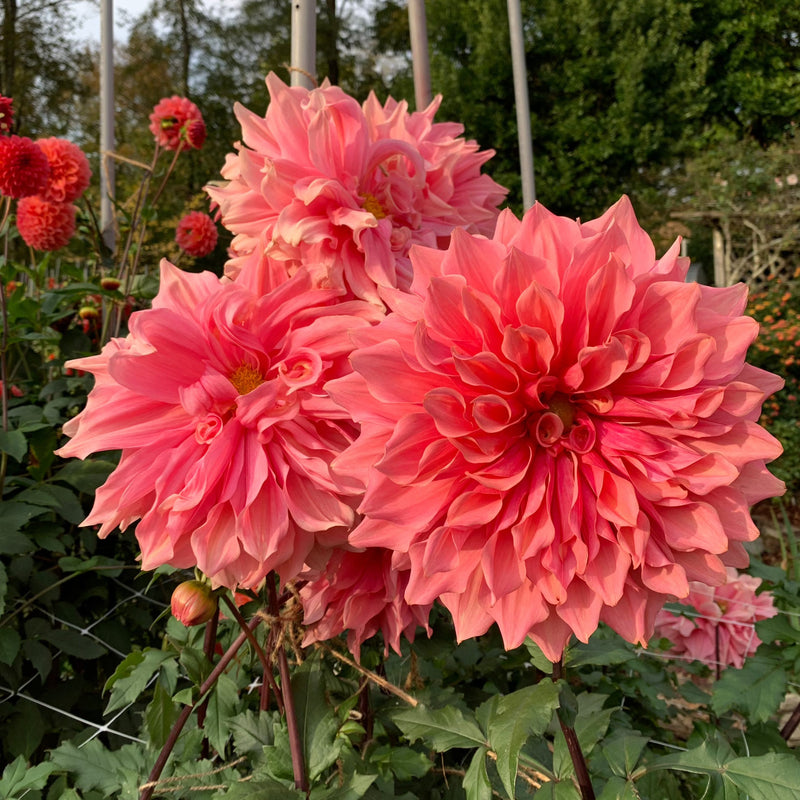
(24, 168)
(196, 234)
(171, 120)
(44, 225)
(6, 114)
(69, 170)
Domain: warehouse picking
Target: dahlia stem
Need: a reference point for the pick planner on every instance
(791, 724)
(295, 742)
(573, 745)
(209, 643)
(269, 680)
(208, 683)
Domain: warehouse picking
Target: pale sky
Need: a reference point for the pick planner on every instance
(88, 14)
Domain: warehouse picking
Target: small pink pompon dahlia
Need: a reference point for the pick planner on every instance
(171, 120)
(321, 180)
(215, 400)
(721, 629)
(24, 168)
(44, 225)
(196, 234)
(362, 593)
(6, 114)
(69, 170)
(558, 430)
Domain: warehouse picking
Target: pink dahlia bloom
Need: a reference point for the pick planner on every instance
(321, 180)
(69, 170)
(215, 400)
(721, 629)
(362, 593)
(6, 114)
(196, 234)
(44, 225)
(24, 168)
(558, 430)
(170, 121)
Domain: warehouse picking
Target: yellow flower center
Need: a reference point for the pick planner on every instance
(372, 205)
(246, 378)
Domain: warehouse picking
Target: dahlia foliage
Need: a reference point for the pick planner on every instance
(720, 627)
(544, 429)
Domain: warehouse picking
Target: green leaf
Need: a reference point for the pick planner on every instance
(39, 656)
(14, 443)
(9, 645)
(221, 707)
(355, 786)
(476, 780)
(13, 516)
(74, 643)
(318, 724)
(59, 498)
(252, 732)
(769, 777)
(159, 716)
(619, 789)
(132, 675)
(622, 752)
(3, 587)
(519, 715)
(590, 726)
(440, 728)
(86, 476)
(599, 652)
(98, 768)
(262, 789)
(757, 689)
(18, 778)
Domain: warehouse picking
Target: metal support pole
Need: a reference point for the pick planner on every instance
(304, 43)
(107, 178)
(521, 99)
(419, 53)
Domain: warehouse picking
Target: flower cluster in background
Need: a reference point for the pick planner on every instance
(176, 122)
(719, 627)
(400, 397)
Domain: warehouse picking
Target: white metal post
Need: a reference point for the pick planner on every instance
(304, 43)
(522, 103)
(107, 178)
(419, 53)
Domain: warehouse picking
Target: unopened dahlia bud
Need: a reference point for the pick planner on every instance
(110, 284)
(193, 603)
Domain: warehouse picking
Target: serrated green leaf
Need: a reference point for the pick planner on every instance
(159, 716)
(623, 751)
(14, 443)
(619, 789)
(262, 789)
(355, 786)
(591, 723)
(18, 778)
(769, 777)
(440, 728)
(39, 656)
(9, 645)
(757, 689)
(132, 676)
(221, 707)
(519, 715)
(62, 500)
(406, 763)
(252, 732)
(94, 766)
(476, 780)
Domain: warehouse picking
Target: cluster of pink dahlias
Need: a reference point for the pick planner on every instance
(719, 629)
(196, 234)
(536, 422)
(47, 176)
(176, 123)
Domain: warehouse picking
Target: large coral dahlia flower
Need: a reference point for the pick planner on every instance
(215, 400)
(322, 180)
(558, 430)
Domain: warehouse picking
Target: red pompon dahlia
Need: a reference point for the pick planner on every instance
(171, 119)
(196, 234)
(558, 430)
(362, 593)
(69, 170)
(215, 400)
(24, 168)
(6, 114)
(322, 180)
(195, 133)
(719, 629)
(44, 225)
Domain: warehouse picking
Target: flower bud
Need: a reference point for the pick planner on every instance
(88, 312)
(109, 284)
(193, 603)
